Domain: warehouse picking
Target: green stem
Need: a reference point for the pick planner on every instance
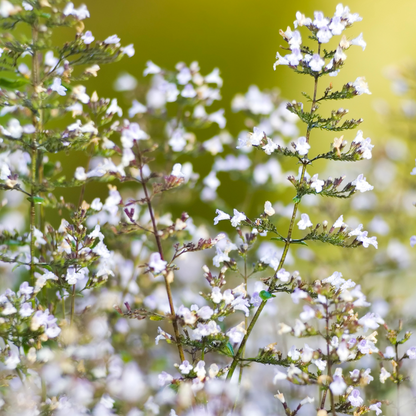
(256, 316)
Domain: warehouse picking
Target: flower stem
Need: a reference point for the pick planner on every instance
(160, 250)
(256, 316)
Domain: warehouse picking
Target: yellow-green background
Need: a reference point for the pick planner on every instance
(242, 37)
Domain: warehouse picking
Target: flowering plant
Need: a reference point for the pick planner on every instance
(75, 333)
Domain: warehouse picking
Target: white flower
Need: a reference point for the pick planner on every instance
(304, 222)
(188, 91)
(307, 314)
(112, 40)
(361, 184)
(302, 146)
(237, 333)
(337, 25)
(216, 295)
(221, 216)
(371, 321)
(283, 275)
(384, 375)
(324, 35)
(96, 204)
(270, 146)
(316, 183)
(361, 86)
(321, 364)
(301, 20)
(88, 38)
(339, 222)
(343, 352)
(339, 55)
(316, 63)
(185, 367)
(293, 353)
(176, 171)
(214, 78)
(114, 108)
(137, 108)
(200, 370)
(376, 407)
(238, 217)
(9, 309)
(355, 399)
(359, 41)
(12, 360)
(164, 378)
(72, 276)
(307, 354)
(338, 386)
(411, 353)
(128, 50)
(151, 68)
(58, 87)
(256, 137)
(268, 209)
(81, 13)
(156, 263)
(80, 174)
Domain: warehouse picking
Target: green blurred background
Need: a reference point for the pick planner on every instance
(242, 37)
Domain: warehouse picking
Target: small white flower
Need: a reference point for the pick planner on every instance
(88, 38)
(411, 353)
(238, 217)
(316, 63)
(324, 35)
(237, 333)
(58, 87)
(151, 68)
(112, 40)
(268, 209)
(302, 146)
(361, 184)
(304, 222)
(156, 263)
(339, 222)
(376, 407)
(355, 399)
(176, 171)
(338, 386)
(316, 183)
(185, 367)
(283, 275)
(384, 375)
(221, 216)
(359, 41)
(361, 86)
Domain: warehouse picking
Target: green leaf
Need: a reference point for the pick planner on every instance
(12, 84)
(266, 295)
(230, 348)
(36, 199)
(278, 239)
(156, 318)
(296, 199)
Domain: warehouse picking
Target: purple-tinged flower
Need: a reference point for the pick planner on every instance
(88, 38)
(112, 40)
(355, 399)
(411, 353)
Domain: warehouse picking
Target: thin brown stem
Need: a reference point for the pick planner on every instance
(160, 250)
(256, 316)
(35, 81)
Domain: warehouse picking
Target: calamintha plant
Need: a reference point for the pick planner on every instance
(75, 334)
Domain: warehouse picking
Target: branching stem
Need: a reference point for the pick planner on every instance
(256, 316)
